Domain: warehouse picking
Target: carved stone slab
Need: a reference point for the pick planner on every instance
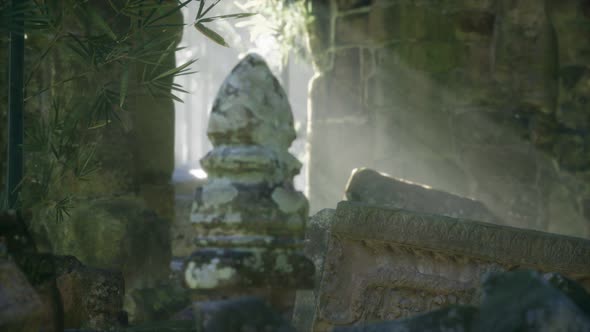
(369, 186)
(386, 263)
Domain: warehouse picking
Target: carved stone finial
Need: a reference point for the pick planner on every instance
(251, 108)
(249, 202)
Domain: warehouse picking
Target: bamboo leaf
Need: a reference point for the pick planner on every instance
(82, 49)
(163, 55)
(174, 71)
(99, 125)
(124, 86)
(113, 6)
(95, 16)
(179, 89)
(214, 36)
(169, 25)
(86, 168)
(222, 17)
(75, 77)
(201, 5)
(208, 9)
(168, 13)
(40, 59)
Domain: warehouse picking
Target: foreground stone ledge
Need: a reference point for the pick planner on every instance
(546, 303)
(384, 263)
(509, 245)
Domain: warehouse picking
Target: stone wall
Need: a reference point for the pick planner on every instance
(484, 99)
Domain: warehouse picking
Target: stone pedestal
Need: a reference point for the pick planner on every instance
(248, 221)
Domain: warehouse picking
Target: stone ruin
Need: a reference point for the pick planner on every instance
(395, 252)
(369, 186)
(392, 251)
(383, 263)
(248, 221)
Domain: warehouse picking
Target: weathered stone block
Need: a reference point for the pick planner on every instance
(240, 314)
(570, 20)
(409, 22)
(75, 295)
(371, 187)
(454, 318)
(543, 305)
(316, 245)
(470, 82)
(479, 5)
(437, 171)
(115, 233)
(473, 24)
(158, 326)
(161, 302)
(320, 31)
(571, 151)
(397, 85)
(525, 54)
(343, 92)
(432, 56)
(92, 298)
(20, 307)
(353, 30)
(516, 162)
(385, 263)
(352, 4)
(574, 97)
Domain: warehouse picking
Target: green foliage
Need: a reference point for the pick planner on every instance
(33, 14)
(285, 20)
(85, 62)
(200, 21)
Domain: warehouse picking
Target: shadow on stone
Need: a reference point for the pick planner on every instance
(517, 301)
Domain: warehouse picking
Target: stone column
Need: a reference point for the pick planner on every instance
(248, 219)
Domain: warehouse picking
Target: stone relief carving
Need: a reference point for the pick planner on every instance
(367, 280)
(383, 303)
(384, 263)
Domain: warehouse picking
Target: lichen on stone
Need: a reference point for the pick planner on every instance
(219, 191)
(282, 263)
(255, 262)
(249, 192)
(207, 276)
